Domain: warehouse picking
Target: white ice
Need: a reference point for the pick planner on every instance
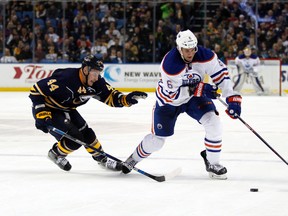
(31, 185)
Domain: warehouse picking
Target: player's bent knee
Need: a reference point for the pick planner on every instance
(89, 135)
(212, 124)
(153, 143)
(69, 144)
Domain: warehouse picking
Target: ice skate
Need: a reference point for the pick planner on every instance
(216, 171)
(60, 161)
(131, 162)
(108, 163)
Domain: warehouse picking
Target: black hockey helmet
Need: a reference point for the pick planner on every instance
(93, 63)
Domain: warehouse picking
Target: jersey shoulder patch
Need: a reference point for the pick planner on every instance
(172, 63)
(253, 56)
(242, 56)
(203, 55)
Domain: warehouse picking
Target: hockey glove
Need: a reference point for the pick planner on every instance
(43, 119)
(234, 106)
(204, 90)
(132, 98)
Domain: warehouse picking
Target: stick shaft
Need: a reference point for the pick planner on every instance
(62, 133)
(253, 131)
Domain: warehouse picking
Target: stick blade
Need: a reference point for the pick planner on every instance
(169, 175)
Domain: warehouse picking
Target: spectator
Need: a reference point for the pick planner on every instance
(108, 17)
(51, 33)
(112, 31)
(23, 52)
(211, 30)
(41, 11)
(114, 56)
(84, 50)
(167, 11)
(24, 35)
(217, 49)
(53, 10)
(84, 40)
(52, 55)
(179, 16)
(115, 43)
(12, 39)
(72, 50)
(79, 19)
(263, 51)
(131, 52)
(7, 57)
(99, 49)
(39, 52)
(98, 28)
(27, 22)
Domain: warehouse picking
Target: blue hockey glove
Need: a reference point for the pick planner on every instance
(132, 98)
(234, 106)
(204, 90)
(43, 119)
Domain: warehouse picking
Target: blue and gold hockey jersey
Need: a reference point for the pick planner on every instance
(65, 90)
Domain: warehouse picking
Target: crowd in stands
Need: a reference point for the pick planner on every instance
(67, 31)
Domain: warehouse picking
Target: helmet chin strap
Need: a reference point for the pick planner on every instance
(86, 76)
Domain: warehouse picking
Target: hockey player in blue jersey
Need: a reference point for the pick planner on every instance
(56, 98)
(182, 90)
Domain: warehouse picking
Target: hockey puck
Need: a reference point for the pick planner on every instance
(253, 189)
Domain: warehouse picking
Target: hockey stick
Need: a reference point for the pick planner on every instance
(160, 178)
(251, 129)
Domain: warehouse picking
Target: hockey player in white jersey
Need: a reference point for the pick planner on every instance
(181, 90)
(247, 66)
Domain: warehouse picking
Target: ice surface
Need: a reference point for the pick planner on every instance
(31, 185)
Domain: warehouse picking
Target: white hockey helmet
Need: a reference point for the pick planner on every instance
(247, 51)
(186, 39)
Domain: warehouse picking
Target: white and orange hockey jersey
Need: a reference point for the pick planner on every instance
(176, 76)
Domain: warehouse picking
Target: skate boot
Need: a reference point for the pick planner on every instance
(131, 163)
(216, 171)
(60, 161)
(108, 163)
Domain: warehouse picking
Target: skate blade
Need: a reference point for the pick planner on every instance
(217, 177)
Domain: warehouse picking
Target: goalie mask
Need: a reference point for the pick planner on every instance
(247, 52)
(187, 40)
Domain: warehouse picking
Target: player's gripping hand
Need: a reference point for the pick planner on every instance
(234, 106)
(43, 119)
(204, 90)
(132, 98)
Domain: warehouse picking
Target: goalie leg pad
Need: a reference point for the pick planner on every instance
(257, 84)
(239, 82)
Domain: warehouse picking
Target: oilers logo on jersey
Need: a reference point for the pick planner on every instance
(191, 79)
